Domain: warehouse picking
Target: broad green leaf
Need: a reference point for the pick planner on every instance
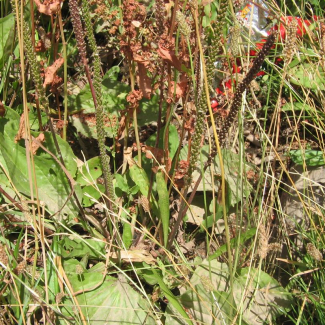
(112, 301)
(148, 110)
(127, 235)
(305, 111)
(217, 213)
(52, 182)
(33, 119)
(233, 243)
(114, 95)
(86, 124)
(84, 261)
(113, 92)
(81, 102)
(210, 13)
(134, 190)
(90, 171)
(206, 298)
(308, 75)
(90, 192)
(9, 124)
(67, 154)
(163, 203)
(121, 186)
(212, 219)
(296, 106)
(121, 183)
(219, 273)
(171, 298)
(112, 73)
(173, 142)
(76, 247)
(7, 33)
(140, 178)
(232, 165)
(264, 298)
(88, 279)
(308, 157)
(205, 306)
(145, 271)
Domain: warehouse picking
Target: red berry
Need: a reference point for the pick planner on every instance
(228, 83)
(214, 103)
(219, 91)
(261, 73)
(235, 68)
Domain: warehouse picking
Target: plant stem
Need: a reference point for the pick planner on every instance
(65, 77)
(105, 160)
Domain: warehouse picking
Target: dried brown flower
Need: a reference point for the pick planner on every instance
(79, 269)
(145, 203)
(184, 27)
(314, 252)
(275, 247)
(134, 97)
(20, 268)
(234, 40)
(262, 242)
(3, 255)
(207, 284)
(59, 297)
(290, 43)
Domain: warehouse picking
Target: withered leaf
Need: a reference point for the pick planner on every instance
(134, 256)
(170, 56)
(51, 71)
(48, 8)
(144, 81)
(21, 131)
(36, 142)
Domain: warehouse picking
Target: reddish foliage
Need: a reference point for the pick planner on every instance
(134, 97)
(50, 71)
(21, 131)
(60, 124)
(2, 110)
(180, 88)
(170, 56)
(56, 83)
(144, 81)
(48, 7)
(40, 47)
(152, 152)
(36, 142)
(120, 131)
(180, 173)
